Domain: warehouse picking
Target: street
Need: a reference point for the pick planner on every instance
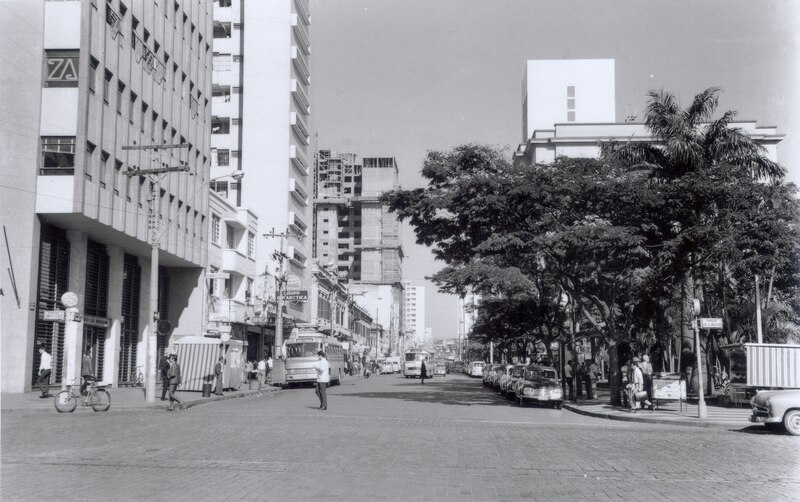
(385, 438)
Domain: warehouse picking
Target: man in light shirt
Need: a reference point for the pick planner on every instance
(323, 369)
(45, 368)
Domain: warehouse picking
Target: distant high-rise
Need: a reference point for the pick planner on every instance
(355, 232)
(415, 311)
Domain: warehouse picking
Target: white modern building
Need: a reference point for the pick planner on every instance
(415, 311)
(104, 87)
(568, 109)
(260, 113)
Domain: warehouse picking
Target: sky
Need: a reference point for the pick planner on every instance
(402, 77)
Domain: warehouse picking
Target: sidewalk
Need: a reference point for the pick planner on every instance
(123, 398)
(668, 412)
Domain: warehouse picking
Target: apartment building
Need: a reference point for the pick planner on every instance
(124, 86)
(355, 233)
(259, 125)
(414, 311)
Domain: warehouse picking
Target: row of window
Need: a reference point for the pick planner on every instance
(227, 287)
(230, 235)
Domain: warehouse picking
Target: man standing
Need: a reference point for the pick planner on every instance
(174, 375)
(218, 375)
(261, 370)
(45, 368)
(86, 370)
(269, 370)
(568, 378)
(163, 367)
(592, 374)
(323, 369)
(423, 370)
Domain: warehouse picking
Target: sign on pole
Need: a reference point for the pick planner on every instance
(296, 296)
(710, 323)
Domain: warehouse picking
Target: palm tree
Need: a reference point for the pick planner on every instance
(689, 140)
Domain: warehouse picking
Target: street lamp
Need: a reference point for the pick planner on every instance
(155, 176)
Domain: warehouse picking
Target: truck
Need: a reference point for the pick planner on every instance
(761, 366)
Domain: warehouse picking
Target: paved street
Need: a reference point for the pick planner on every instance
(386, 438)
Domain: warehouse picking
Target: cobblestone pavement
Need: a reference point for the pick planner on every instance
(385, 438)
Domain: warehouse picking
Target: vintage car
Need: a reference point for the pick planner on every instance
(503, 376)
(510, 385)
(439, 369)
(386, 367)
(476, 369)
(540, 385)
(777, 409)
(458, 367)
(491, 374)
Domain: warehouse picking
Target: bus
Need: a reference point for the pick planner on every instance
(301, 354)
(412, 360)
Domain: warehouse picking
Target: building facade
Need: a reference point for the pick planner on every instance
(414, 312)
(355, 233)
(124, 86)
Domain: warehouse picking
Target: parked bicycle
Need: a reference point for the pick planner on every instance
(96, 396)
(138, 380)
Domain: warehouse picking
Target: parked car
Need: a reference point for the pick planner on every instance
(458, 367)
(510, 389)
(777, 409)
(386, 367)
(503, 375)
(476, 368)
(490, 374)
(540, 385)
(439, 370)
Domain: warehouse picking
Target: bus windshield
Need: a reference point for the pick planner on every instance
(302, 349)
(414, 356)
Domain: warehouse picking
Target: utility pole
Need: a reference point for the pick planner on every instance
(154, 176)
(279, 365)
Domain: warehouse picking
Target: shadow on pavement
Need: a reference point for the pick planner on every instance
(440, 391)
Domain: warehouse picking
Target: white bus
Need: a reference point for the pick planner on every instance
(412, 363)
(301, 354)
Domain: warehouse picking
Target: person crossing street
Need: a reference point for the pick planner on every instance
(323, 369)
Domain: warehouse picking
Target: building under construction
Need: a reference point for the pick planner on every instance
(355, 233)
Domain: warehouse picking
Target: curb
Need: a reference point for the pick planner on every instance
(658, 421)
(162, 407)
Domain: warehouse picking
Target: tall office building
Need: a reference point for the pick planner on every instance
(357, 234)
(117, 80)
(260, 114)
(415, 311)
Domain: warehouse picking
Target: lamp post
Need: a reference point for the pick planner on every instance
(155, 176)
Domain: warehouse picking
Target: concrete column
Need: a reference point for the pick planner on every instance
(73, 332)
(116, 258)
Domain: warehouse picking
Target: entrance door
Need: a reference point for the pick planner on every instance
(94, 339)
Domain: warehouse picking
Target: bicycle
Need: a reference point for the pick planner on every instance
(97, 397)
(139, 380)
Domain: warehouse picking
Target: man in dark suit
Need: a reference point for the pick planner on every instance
(174, 375)
(163, 367)
(423, 370)
(218, 375)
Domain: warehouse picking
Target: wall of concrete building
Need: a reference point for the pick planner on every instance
(20, 97)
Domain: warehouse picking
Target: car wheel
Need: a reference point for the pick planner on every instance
(791, 422)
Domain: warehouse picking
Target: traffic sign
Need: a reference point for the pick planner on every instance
(710, 323)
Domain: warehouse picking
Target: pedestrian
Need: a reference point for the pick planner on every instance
(625, 380)
(174, 376)
(568, 378)
(423, 370)
(637, 388)
(163, 367)
(261, 370)
(87, 374)
(45, 362)
(593, 374)
(580, 376)
(218, 368)
(323, 369)
(248, 370)
(647, 375)
(267, 377)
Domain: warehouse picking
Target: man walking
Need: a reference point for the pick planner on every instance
(45, 368)
(423, 370)
(218, 375)
(86, 370)
(163, 367)
(269, 370)
(568, 378)
(323, 369)
(261, 370)
(174, 375)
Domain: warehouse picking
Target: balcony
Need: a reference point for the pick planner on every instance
(297, 223)
(298, 192)
(302, 11)
(296, 257)
(300, 97)
(298, 159)
(301, 33)
(227, 310)
(299, 127)
(238, 263)
(301, 65)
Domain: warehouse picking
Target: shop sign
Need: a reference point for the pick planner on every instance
(710, 323)
(218, 275)
(218, 317)
(296, 296)
(52, 315)
(99, 322)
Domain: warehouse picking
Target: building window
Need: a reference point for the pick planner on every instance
(251, 245)
(571, 104)
(103, 168)
(571, 116)
(230, 236)
(62, 69)
(222, 30)
(220, 125)
(120, 93)
(212, 283)
(144, 115)
(131, 105)
(215, 227)
(570, 91)
(107, 85)
(92, 74)
(223, 157)
(115, 179)
(220, 187)
(58, 155)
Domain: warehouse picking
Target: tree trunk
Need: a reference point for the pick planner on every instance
(614, 372)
